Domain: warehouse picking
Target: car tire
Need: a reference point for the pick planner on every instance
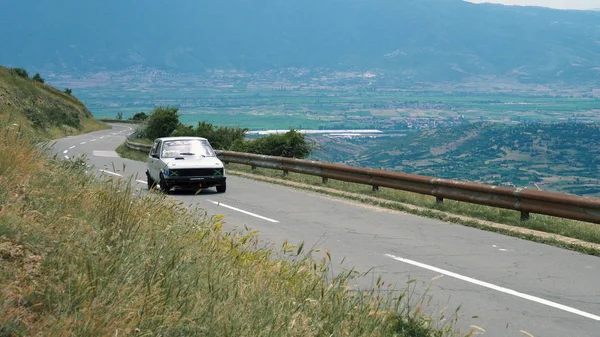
(163, 185)
(151, 182)
(222, 188)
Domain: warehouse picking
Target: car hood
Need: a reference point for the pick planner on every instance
(193, 162)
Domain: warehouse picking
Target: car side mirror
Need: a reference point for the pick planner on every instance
(154, 156)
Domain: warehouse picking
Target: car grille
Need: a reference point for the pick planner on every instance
(195, 172)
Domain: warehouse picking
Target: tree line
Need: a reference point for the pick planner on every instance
(164, 122)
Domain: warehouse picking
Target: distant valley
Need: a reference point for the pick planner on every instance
(562, 157)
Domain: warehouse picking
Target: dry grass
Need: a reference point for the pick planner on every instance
(80, 257)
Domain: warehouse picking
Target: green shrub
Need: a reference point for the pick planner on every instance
(220, 137)
(162, 122)
(38, 78)
(44, 117)
(38, 120)
(292, 144)
(68, 91)
(21, 72)
(184, 130)
(140, 116)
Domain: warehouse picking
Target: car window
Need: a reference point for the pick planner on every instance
(155, 147)
(187, 147)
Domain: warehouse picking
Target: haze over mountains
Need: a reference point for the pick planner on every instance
(425, 40)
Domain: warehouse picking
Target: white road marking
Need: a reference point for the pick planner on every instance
(72, 147)
(142, 182)
(66, 157)
(111, 173)
(93, 140)
(82, 143)
(498, 288)
(242, 211)
(109, 154)
(65, 151)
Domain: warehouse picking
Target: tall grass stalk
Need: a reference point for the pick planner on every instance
(88, 258)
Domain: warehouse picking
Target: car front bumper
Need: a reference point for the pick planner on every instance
(194, 182)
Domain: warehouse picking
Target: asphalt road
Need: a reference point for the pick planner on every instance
(504, 285)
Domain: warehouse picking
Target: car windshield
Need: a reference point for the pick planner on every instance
(186, 147)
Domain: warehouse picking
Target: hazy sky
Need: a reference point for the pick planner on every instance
(563, 4)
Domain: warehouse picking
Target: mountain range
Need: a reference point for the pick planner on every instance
(423, 40)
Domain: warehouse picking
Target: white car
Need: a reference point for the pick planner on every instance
(184, 163)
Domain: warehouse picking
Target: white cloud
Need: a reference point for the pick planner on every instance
(561, 4)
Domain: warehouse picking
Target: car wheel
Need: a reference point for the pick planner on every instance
(151, 182)
(221, 188)
(163, 185)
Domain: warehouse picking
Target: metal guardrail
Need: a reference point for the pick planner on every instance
(122, 121)
(523, 200)
(137, 146)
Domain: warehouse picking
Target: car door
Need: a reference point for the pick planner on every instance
(153, 160)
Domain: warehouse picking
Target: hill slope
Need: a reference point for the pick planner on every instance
(42, 109)
(561, 157)
(418, 39)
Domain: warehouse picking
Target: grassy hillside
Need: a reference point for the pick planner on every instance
(41, 109)
(561, 157)
(83, 258)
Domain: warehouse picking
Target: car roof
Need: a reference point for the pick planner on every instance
(180, 138)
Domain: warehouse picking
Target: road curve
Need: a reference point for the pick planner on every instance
(504, 285)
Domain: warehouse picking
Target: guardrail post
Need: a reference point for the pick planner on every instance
(253, 167)
(439, 200)
(285, 172)
(325, 179)
(524, 216)
(375, 188)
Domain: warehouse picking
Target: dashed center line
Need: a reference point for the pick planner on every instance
(72, 147)
(82, 143)
(142, 182)
(242, 211)
(65, 151)
(498, 288)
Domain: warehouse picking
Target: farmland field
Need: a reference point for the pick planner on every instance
(280, 101)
